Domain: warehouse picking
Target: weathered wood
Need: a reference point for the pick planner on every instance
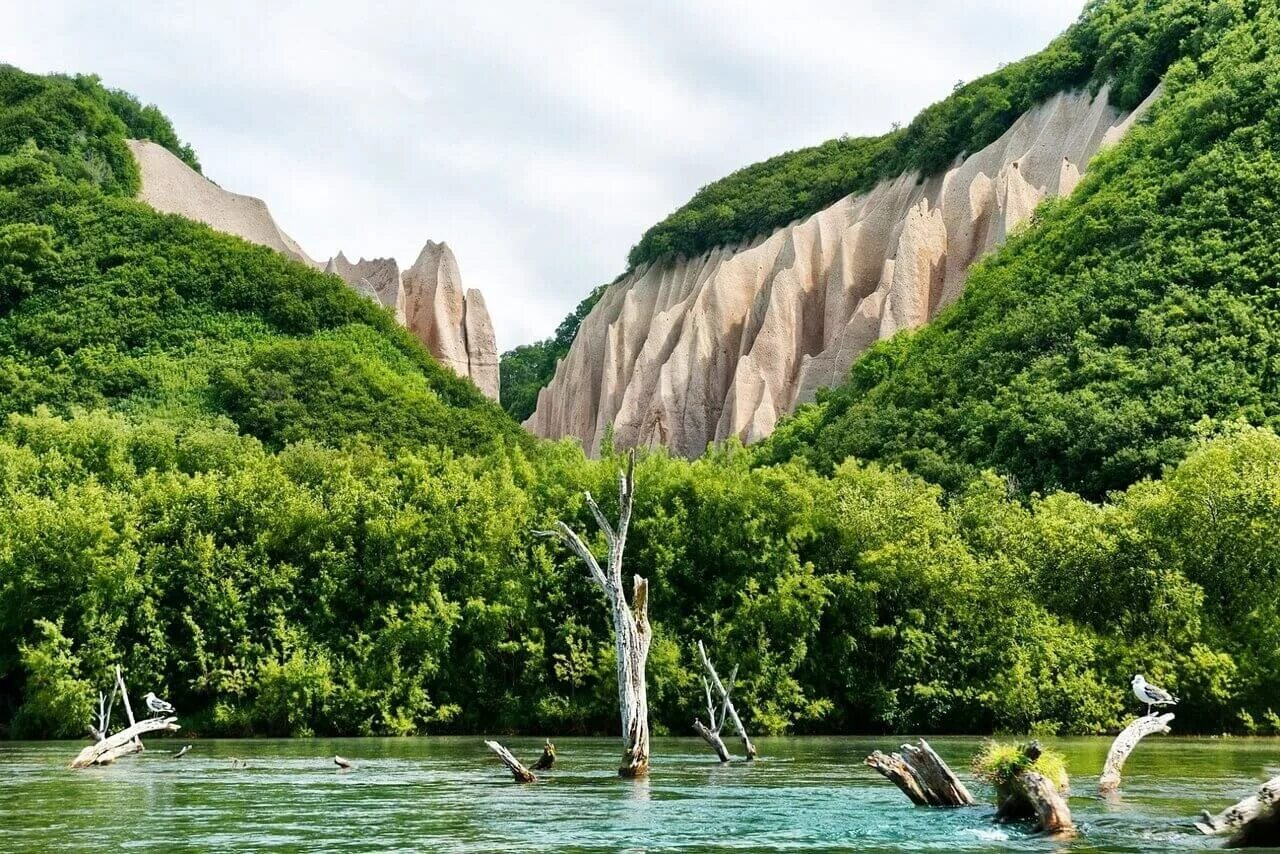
(1053, 816)
(518, 771)
(1253, 822)
(124, 696)
(1125, 743)
(922, 776)
(894, 768)
(344, 764)
(547, 759)
(711, 733)
(747, 746)
(178, 754)
(631, 630)
(109, 749)
(713, 739)
(939, 777)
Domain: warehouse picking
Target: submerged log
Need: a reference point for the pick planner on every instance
(631, 631)
(178, 754)
(1124, 745)
(922, 776)
(547, 759)
(712, 738)
(122, 743)
(344, 764)
(1253, 823)
(518, 771)
(723, 693)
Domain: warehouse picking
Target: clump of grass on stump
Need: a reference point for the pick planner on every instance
(998, 764)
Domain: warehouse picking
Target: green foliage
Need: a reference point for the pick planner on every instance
(26, 250)
(57, 702)
(1085, 353)
(999, 763)
(142, 122)
(1129, 43)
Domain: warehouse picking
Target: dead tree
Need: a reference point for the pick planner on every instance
(631, 631)
(1125, 744)
(711, 732)
(108, 749)
(1252, 823)
(922, 776)
(723, 693)
(517, 769)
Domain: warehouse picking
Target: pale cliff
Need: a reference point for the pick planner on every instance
(685, 352)
(428, 298)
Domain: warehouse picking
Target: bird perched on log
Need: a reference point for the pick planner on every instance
(157, 706)
(1151, 695)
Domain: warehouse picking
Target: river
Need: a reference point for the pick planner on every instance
(449, 793)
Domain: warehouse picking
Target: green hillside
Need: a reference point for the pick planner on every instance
(1091, 350)
(107, 303)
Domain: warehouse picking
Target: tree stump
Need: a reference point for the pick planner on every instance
(1125, 743)
(547, 759)
(1253, 822)
(518, 771)
(922, 776)
(1029, 795)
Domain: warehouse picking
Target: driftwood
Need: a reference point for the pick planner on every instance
(178, 754)
(1125, 744)
(122, 743)
(723, 693)
(518, 771)
(344, 764)
(922, 776)
(631, 631)
(1253, 823)
(547, 759)
(1030, 795)
(108, 749)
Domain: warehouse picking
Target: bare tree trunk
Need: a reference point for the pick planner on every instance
(521, 773)
(1252, 823)
(631, 631)
(1125, 744)
(747, 746)
(922, 776)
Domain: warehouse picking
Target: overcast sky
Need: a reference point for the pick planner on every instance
(538, 139)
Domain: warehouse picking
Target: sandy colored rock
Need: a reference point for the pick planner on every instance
(171, 186)
(689, 351)
(455, 327)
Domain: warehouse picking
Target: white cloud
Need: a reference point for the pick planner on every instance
(538, 139)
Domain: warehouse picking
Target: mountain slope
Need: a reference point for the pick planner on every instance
(1085, 354)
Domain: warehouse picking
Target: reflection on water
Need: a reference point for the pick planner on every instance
(451, 794)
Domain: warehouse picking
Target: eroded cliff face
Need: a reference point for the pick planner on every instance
(428, 298)
(687, 352)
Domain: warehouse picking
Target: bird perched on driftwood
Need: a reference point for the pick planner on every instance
(157, 706)
(1151, 695)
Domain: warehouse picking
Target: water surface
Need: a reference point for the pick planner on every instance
(446, 794)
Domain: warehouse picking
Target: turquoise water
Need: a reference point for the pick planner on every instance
(448, 794)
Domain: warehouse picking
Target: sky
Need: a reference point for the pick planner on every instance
(539, 140)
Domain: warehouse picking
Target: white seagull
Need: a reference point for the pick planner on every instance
(157, 706)
(1151, 695)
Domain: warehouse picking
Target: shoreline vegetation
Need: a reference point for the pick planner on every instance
(244, 484)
